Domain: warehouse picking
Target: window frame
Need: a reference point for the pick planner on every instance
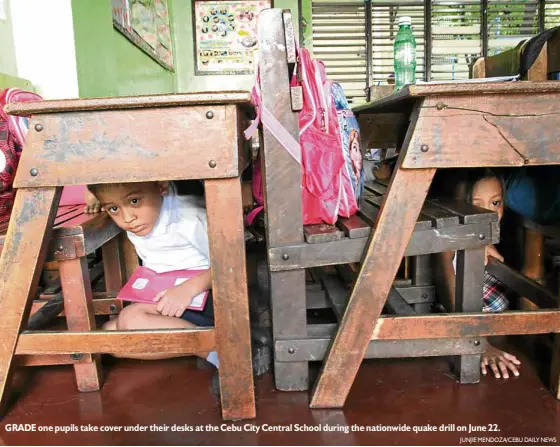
(428, 34)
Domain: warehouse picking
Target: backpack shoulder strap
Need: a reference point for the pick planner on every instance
(272, 124)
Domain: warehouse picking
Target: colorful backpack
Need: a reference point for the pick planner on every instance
(350, 140)
(328, 148)
(12, 137)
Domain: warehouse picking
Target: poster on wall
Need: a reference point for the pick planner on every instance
(226, 35)
(146, 24)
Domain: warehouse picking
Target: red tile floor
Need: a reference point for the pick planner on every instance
(416, 392)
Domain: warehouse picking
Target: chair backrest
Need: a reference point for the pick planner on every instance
(537, 72)
(281, 172)
(533, 59)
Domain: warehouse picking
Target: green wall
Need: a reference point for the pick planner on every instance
(7, 81)
(108, 64)
(7, 52)
(307, 24)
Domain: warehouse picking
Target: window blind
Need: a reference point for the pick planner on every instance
(551, 13)
(456, 38)
(384, 23)
(454, 34)
(510, 22)
(339, 40)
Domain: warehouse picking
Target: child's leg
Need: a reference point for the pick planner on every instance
(499, 362)
(145, 316)
(111, 325)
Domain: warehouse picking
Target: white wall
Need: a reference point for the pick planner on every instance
(7, 54)
(44, 46)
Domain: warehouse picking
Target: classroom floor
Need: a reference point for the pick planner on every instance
(416, 392)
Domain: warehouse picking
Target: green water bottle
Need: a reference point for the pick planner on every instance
(405, 54)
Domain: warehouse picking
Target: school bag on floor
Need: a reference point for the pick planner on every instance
(12, 137)
(332, 173)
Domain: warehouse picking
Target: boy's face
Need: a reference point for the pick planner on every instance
(487, 193)
(134, 207)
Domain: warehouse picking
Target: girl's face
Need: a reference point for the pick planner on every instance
(355, 154)
(488, 194)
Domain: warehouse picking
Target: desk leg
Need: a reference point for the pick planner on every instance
(555, 367)
(226, 235)
(113, 266)
(78, 308)
(20, 268)
(533, 262)
(130, 258)
(403, 202)
(555, 364)
(468, 298)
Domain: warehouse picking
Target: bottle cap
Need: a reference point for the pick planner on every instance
(405, 20)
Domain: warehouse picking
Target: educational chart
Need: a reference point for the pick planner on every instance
(146, 24)
(226, 36)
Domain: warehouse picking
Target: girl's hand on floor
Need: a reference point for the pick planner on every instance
(490, 250)
(172, 302)
(500, 362)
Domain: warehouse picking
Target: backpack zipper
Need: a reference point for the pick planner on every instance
(321, 91)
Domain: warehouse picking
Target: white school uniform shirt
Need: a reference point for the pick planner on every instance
(179, 239)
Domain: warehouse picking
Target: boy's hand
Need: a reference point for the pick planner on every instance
(490, 250)
(172, 302)
(499, 362)
(93, 206)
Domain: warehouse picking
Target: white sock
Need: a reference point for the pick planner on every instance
(213, 358)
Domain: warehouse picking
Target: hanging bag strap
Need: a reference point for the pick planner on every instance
(272, 124)
(263, 114)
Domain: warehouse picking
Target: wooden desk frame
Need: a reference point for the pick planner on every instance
(74, 237)
(107, 140)
(512, 124)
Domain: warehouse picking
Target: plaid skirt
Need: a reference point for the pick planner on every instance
(493, 296)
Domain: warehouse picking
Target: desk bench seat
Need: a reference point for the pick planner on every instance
(77, 234)
(441, 226)
(85, 233)
(67, 279)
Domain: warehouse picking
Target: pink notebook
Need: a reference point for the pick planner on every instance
(145, 284)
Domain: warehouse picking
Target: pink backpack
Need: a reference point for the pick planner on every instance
(327, 189)
(12, 137)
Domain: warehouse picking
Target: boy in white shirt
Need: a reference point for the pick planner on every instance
(169, 233)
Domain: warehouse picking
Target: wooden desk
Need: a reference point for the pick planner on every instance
(108, 140)
(76, 235)
(452, 125)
